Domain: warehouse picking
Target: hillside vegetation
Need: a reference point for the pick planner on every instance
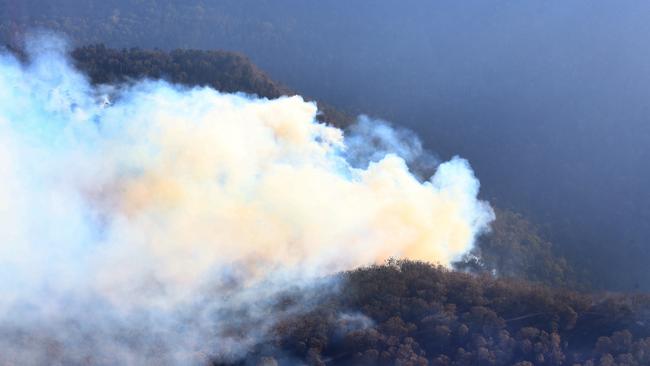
(228, 72)
(414, 313)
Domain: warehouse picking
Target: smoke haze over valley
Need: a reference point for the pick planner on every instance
(547, 100)
(322, 183)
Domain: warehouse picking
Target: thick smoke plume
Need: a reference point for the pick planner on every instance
(151, 223)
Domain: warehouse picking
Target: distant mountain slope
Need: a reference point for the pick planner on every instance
(515, 249)
(222, 70)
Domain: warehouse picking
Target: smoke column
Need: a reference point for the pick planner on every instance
(137, 220)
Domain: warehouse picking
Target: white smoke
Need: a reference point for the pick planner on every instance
(147, 229)
(370, 140)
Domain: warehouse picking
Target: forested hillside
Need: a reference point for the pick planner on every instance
(410, 313)
(224, 71)
(514, 248)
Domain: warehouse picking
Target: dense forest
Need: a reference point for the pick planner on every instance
(224, 71)
(537, 112)
(412, 313)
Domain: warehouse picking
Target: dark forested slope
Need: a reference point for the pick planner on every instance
(412, 313)
(224, 71)
(514, 248)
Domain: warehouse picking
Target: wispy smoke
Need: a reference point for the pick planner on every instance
(370, 140)
(158, 227)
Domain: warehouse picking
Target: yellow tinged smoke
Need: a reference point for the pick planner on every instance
(225, 179)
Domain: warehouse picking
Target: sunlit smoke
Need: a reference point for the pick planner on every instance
(137, 220)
